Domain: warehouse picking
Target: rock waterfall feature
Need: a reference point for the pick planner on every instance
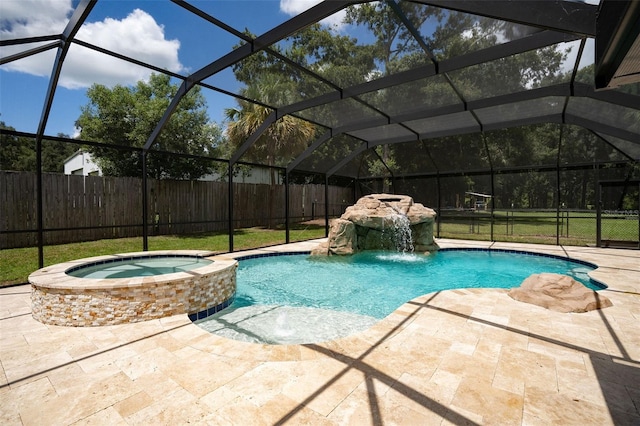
(381, 222)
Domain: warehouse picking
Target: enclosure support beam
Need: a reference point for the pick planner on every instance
(253, 137)
(598, 210)
(558, 187)
(348, 158)
(563, 89)
(565, 16)
(493, 200)
(304, 19)
(326, 206)
(29, 52)
(511, 170)
(77, 19)
(393, 179)
(531, 42)
(439, 206)
(286, 207)
(307, 152)
(492, 174)
(617, 149)
(230, 199)
(590, 124)
(145, 231)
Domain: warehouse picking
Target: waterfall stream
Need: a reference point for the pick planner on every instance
(401, 232)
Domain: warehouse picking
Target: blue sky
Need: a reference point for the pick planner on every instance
(154, 31)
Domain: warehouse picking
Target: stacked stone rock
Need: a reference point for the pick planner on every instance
(368, 225)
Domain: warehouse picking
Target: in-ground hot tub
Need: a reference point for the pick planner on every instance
(132, 287)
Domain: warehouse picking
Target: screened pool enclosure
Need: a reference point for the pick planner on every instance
(514, 120)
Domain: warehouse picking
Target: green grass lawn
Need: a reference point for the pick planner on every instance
(17, 264)
(579, 228)
(522, 227)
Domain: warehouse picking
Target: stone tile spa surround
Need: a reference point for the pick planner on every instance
(61, 299)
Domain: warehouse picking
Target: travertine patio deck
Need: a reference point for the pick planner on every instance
(453, 357)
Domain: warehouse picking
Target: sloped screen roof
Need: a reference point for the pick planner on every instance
(419, 87)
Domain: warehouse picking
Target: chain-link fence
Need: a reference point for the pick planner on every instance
(618, 222)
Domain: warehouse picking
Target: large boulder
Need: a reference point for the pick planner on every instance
(559, 293)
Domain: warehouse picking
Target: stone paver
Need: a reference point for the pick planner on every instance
(472, 356)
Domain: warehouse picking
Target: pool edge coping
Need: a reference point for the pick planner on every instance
(55, 276)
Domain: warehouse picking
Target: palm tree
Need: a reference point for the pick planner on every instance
(281, 141)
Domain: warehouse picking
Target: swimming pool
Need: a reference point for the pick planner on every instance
(377, 283)
(371, 285)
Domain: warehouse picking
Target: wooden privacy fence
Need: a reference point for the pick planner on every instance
(86, 208)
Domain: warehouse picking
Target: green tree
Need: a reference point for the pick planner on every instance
(288, 134)
(340, 60)
(337, 58)
(18, 153)
(395, 49)
(15, 152)
(272, 82)
(454, 34)
(126, 116)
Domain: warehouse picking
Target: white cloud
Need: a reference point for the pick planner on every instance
(26, 18)
(295, 7)
(138, 36)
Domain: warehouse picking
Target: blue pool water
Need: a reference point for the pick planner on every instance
(375, 284)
